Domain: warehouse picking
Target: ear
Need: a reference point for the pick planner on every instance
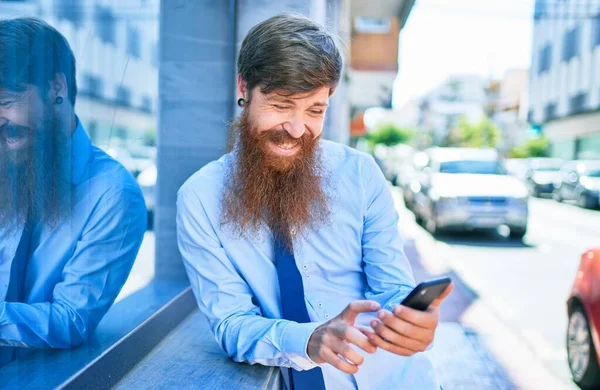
(242, 90)
(58, 87)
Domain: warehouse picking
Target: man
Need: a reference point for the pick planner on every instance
(71, 218)
(291, 242)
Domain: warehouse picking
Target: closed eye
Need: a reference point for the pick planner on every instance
(277, 106)
(5, 103)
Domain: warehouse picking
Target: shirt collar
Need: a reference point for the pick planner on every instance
(81, 149)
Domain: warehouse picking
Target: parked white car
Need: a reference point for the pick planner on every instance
(468, 189)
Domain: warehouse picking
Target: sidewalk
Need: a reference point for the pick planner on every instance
(473, 348)
(461, 359)
(463, 362)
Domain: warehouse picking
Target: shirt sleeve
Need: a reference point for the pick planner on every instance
(226, 300)
(92, 278)
(388, 271)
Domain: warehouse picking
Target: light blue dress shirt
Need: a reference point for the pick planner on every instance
(76, 269)
(357, 255)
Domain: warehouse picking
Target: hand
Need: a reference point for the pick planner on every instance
(334, 337)
(406, 331)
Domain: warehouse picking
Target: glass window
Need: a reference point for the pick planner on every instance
(372, 25)
(595, 31)
(105, 24)
(71, 10)
(123, 96)
(571, 43)
(589, 147)
(112, 100)
(578, 103)
(146, 104)
(545, 59)
(540, 9)
(563, 149)
(550, 111)
(92, 86)
(133, 42)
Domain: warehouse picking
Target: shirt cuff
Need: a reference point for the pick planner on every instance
(295, 342)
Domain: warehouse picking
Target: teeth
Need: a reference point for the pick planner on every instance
(286, 145)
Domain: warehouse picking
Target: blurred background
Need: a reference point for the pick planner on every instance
(484, 115)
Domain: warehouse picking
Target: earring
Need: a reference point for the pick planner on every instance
(59, 100)
(241, 102)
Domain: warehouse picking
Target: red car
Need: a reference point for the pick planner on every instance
(583, 342)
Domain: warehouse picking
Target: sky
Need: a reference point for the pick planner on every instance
(446, 37)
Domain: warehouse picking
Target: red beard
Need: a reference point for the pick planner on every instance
(285, 192)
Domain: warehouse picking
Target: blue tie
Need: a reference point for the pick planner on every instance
(294, 309)
(16, 284)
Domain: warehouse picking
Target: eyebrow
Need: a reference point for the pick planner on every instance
(292, 102)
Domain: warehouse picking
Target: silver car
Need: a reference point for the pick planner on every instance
(467, 189)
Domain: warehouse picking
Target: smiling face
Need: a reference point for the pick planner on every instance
(34, 156)
(23, 116)
(286, 123)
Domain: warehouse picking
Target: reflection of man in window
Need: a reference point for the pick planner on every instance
(289, 238)
(71, 218)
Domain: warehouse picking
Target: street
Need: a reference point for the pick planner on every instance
(524, 284)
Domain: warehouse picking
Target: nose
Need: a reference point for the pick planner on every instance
(295, 127)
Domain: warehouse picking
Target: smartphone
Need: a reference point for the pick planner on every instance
(425, 293)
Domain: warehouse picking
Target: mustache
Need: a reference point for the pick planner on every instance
(11, 131)
(282, 136)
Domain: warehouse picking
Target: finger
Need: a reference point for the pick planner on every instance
(354, 336)
(423, 319)
(447, 291)
(332, 358)
(366, 330)
(355, 308)
(386, 345)
(408, 329)
(397, 339)
(341, 347)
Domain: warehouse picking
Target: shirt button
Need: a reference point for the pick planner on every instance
(326, 315)
(307, 276)
(305, 266)
(293, 232)
(320, 304)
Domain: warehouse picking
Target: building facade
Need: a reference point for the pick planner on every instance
(116, 48)
(461, 96)
(564, 92)
(511, 108)
(374, 36)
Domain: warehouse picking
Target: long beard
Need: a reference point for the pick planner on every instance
(284, 193)
(35, 182)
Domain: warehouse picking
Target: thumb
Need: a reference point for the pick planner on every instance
(355, 308)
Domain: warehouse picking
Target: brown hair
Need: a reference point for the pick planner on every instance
(32, 52)
(290, 53)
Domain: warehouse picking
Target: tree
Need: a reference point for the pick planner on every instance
(150, 136)
(389, 135)
(475, 135)
(536, 147)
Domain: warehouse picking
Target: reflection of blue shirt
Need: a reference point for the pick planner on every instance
(75, 270)
(359, 255)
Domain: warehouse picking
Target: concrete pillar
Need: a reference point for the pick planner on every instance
(196, 91)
